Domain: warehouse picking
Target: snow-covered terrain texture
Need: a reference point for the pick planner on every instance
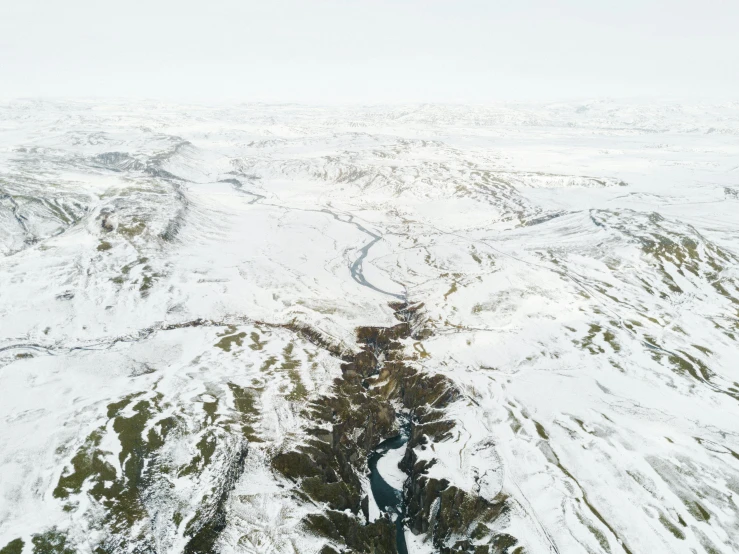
(180, 287)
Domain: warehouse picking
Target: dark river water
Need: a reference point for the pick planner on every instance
(388, 499)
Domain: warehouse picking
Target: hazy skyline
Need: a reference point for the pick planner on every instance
(332, 51)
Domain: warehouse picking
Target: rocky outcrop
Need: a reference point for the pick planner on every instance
(360, 413)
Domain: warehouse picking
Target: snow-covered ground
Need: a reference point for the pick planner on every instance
(578, 265)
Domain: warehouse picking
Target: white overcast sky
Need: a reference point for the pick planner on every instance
(369, 51)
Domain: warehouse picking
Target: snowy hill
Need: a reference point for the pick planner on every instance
(212, 317)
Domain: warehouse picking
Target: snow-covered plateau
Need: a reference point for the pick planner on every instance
(211, 317)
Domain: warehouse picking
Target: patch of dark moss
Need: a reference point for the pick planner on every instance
(230, 338)
(377, 537)
(245, 400)
(540, 430)
(685, 363)
(671, 527)
(205, 447)
(87, 462)
(147, 281)
(211, 410)
(119, 494)
(268, 363)
(290, 364)
(136, 228)
(256, 344)
(51, 542)
(697, 511)
(13, 547)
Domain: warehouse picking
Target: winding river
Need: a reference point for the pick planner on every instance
(389, 499)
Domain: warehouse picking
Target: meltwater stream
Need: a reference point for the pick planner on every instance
(389, 499)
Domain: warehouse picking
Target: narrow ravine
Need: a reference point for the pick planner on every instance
(359, 429)
(389, 499)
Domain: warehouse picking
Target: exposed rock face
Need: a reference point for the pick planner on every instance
(355, 419)
(377, 382)
(456, 519)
